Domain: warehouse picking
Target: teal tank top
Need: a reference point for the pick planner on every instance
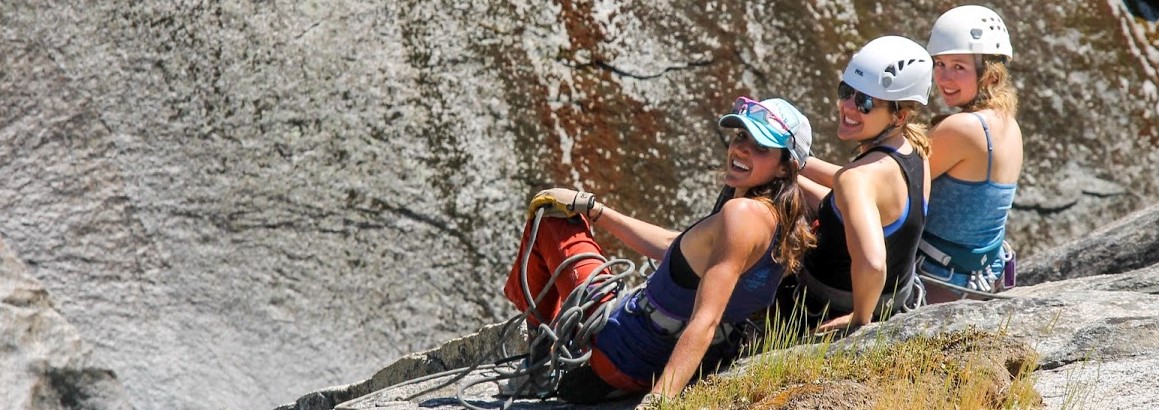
(970, 216)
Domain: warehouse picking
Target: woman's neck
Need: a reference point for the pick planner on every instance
(892, 136)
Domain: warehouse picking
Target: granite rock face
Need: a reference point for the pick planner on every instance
(235, 202)
(1097, 336)
(1129, 243)
(44, 364)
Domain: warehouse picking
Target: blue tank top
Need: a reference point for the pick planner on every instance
(969, 215)
(629, 339)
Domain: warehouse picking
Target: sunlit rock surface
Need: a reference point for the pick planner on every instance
(236, 202)
(44, 364)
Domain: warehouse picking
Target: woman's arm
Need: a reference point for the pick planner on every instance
(812, 191)
(647, 239)
(820, 171)
(856, 198)
(739, 242)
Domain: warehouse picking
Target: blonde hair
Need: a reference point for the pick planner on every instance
(995, 89)
(914, 132)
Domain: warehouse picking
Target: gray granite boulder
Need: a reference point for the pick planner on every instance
(1097, 336)
(1121, 245)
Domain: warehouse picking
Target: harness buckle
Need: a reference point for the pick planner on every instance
(667, 325)
(662, 323)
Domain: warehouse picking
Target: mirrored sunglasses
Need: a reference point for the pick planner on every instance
(862, 101)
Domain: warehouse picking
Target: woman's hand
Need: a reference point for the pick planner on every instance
(562, 203)
(839, 324)
(651, 401)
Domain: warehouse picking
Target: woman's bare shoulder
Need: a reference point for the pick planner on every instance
(745, 207)
(961, 124)
(746, 215)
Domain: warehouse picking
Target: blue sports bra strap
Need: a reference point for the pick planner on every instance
(881, 148)
(989, 145)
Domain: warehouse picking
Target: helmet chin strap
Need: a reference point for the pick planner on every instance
(867, 144)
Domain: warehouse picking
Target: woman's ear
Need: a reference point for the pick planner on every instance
(901, 117)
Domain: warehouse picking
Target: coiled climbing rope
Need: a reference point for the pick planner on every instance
(582, 315)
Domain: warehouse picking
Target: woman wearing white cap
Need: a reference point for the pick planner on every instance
(977, 156)
(713, 275)
(870, 211)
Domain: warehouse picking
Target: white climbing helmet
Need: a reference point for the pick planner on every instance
(891, 68)
(970, 30)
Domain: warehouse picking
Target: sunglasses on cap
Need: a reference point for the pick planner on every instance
(755, 111)
(862, 100)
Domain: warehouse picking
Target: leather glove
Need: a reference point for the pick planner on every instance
(561, 203)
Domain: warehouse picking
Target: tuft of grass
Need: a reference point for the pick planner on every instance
(1081, 384)
(963, 370)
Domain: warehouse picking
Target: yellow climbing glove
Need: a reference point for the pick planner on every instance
(561, 203)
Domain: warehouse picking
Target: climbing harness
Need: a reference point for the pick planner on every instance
(979, 283)
(570, 335)
(907, 296)
(664, 324)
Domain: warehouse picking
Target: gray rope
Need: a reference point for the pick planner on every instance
(570, 334)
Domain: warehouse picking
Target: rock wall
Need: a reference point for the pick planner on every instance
(1130, 243)
(235, 202)
(44, 364)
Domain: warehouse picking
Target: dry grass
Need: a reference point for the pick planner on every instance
(963, 370)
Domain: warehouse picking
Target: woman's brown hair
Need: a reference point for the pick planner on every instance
(785, 199)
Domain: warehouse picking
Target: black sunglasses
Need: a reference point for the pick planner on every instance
(862, 100)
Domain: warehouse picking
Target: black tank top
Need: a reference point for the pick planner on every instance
(830, 262)
(682, 273)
